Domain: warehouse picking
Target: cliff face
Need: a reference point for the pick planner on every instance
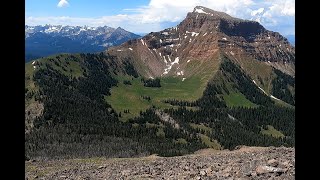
(236, 33)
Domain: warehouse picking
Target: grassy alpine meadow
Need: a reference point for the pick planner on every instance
(201, 127)
(129, 97)
(67, 64)
(271, 131)
(212, 143)
(237, 100)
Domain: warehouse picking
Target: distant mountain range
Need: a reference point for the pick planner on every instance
(47, 40)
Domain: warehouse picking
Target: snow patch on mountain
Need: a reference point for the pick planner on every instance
(259, 87)
(142, 41)
(193, 33)
(165, 33)
(176, 61)
(200, 10)
(169, 65)
(275, 98)
(262, 90)
(164, 59)
(52, 29)
(180, 73)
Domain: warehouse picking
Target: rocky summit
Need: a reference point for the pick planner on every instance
(243, 163)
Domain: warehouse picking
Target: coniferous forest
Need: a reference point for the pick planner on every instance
(151, 82)
(78, 122)
(280, 87)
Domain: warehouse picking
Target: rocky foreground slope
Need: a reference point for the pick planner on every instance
(243, 163)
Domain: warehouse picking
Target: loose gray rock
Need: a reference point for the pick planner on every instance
(268, 169)
(225, 164)
(273, 163)
(202, 173)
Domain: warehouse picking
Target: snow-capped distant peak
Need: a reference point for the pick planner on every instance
(97, 38)
(52, 28)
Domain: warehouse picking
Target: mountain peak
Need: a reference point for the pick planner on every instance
(200, 9)
(208, 20)
(202, 35)
(120, 29)
(210, 12)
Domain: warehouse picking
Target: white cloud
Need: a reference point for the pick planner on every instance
(176, 10)
(258, 11)
(63, 3)
(278, 15)
(282, 8)
(159, 13)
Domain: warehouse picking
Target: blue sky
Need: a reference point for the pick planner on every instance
(143, 16)
(81, 8)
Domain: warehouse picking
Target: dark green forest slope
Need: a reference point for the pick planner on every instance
(78, 121)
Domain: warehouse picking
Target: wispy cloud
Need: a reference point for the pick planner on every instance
(258, 11)
(63, 3)
(276, 15)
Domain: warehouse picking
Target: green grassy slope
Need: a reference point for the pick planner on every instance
(66, 64)
(212, 143)
(207, 125)
(202, 127)
(237, 100)
(271, 131)
(128, 97)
